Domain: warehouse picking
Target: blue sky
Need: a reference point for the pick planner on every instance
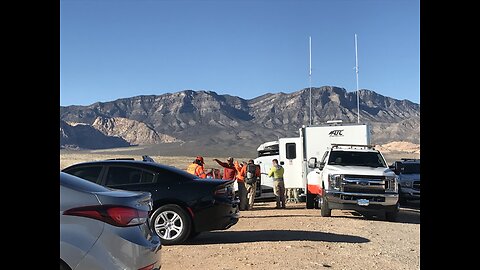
(111, 49)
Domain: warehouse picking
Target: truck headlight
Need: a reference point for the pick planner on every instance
(335, 181)
(391, 183)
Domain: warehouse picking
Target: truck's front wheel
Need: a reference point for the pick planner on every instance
(325, 211)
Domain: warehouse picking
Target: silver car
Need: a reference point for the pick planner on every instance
(102, 228)
(408, 171)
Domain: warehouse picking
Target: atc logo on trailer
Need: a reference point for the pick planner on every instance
(336, 133)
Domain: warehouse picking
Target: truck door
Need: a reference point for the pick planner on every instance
(291, 154)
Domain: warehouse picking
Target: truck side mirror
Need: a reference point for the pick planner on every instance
(312, 163)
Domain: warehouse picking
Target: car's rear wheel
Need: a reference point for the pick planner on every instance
(172, 224)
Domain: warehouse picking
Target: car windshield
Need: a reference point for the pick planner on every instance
(411, 168)
(352, 158)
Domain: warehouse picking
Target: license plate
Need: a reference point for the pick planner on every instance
(363, 202)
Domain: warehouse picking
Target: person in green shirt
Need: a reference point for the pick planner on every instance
(278, 184)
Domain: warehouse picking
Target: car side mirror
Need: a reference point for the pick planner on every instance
(312, 163)
(281, 162)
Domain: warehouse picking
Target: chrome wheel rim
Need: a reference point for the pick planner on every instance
(168, 225)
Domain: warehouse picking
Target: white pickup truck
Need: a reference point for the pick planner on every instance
(355, 177)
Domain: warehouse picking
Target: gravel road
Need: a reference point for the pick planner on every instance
(299, 238)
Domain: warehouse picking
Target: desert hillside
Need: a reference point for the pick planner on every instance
(399, 146)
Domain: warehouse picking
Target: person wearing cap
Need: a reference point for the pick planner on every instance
(278, 184)
(197, 167)
(229, 171)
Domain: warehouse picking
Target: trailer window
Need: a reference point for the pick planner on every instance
(291, 150)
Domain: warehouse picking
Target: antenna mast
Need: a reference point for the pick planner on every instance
(356, 72)
(310, 77)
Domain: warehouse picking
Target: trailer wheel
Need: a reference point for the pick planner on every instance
(325, 211)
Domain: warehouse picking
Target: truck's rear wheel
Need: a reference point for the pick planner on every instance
(325, 211)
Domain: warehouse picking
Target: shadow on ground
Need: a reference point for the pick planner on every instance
(231, 237)
(279, 215)
(409, 213)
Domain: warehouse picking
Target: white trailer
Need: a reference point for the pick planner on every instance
(293, 153)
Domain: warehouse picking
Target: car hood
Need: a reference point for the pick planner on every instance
(360, 170)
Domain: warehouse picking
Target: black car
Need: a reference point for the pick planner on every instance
(183, 204)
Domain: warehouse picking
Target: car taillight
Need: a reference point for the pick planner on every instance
(148, 267)
(120, 216)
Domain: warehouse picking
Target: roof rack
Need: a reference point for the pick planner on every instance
(353, 146)
(334, 122)
(120, 159)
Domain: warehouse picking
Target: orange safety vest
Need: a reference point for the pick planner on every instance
(240, 176)
(200, 172)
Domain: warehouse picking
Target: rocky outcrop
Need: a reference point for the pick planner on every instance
(132, 131)
(85, 136)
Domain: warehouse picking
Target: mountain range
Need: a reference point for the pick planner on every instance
(203, 122)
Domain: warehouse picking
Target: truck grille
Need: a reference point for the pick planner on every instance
(364, 184)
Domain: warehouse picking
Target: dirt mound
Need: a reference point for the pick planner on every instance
(401, 146)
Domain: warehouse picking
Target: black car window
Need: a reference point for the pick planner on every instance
(173, 175)
(119, 175)
(147, 177)
(88, 173)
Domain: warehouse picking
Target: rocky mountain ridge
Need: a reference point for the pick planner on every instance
(196, 119)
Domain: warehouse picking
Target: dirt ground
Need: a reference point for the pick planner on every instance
(299, 238)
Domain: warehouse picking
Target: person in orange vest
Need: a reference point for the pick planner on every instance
(197, 167)
(242, 189)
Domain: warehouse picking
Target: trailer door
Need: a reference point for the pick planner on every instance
(291, 153)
